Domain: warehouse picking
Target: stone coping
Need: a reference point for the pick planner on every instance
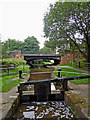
(41, 55)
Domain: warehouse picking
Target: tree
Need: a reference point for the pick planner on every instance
(46, 50)
(68, 23)
(50, 44)
(12, 44)
(31, 44)
(4, 53)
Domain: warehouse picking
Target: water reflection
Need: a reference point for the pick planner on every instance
(41, 110)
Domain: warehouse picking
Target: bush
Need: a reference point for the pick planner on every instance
(8, 62)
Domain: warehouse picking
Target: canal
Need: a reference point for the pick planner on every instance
(47, 110)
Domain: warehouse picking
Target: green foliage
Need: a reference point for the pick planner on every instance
(50, 44)
(81, 81)
(7, 82)
(83, 64)
(12, 44)
(11, 61)
(30, 44)
(4, 53)
(24, 68)
(46, 50)
(66, 24)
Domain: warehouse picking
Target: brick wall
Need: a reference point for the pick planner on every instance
(16, 54)
(66, 59)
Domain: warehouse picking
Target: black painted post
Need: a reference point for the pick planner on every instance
(79, 64)
(65, 85)
(59, 72)
(20, 73)
(8, 70)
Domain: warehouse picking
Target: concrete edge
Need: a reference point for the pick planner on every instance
(13, 108)
(78, 112)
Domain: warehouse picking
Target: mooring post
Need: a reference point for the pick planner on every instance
(65, 82)
(20, 73)
(59, 72)
(79, 64)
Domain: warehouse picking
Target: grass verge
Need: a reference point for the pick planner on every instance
(8, 83)
(25, 68)
(76, 73)
(75, 65)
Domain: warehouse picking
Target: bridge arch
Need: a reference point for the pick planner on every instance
(30, 57)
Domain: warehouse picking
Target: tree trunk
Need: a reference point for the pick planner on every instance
(88, 51)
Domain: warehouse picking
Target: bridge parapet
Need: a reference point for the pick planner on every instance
(35, 52)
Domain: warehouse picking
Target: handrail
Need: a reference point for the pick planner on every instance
(56, 79)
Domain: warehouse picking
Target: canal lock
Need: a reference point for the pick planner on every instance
(52, 108)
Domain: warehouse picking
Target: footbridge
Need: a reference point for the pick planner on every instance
(30, 57)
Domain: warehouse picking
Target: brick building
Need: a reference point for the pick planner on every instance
(67, 58)
(16, 54)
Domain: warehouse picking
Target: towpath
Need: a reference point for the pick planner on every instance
(7, 99)
(79, 93)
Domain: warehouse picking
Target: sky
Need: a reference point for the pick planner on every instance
(22, 18)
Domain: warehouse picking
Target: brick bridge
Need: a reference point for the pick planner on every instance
(31, 57)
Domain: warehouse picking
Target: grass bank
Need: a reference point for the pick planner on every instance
(68, 72)
(25, 68)
(83, 65)
(7, 82)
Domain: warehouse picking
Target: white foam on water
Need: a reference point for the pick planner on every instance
(53, 86)
(30, 114)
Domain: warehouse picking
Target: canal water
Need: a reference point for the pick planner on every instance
(51, 110)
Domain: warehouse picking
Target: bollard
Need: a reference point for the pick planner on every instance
(20, 73)
(8, 70)
(59, 72)
(65, 82)
(79, 64)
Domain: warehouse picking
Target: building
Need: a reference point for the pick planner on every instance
(16, 54)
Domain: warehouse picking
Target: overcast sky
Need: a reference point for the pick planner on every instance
(22, 18)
